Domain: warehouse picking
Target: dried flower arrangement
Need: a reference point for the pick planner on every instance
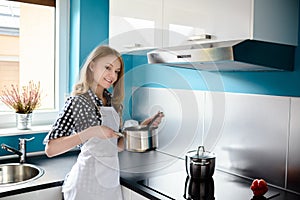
(24, 101)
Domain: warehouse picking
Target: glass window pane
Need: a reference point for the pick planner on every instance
(29, 54)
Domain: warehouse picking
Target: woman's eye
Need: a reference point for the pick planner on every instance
(107, 67)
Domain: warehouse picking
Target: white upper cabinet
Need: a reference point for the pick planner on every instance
(276, 21)
(191, 21)
(135, 24)
(139, 23)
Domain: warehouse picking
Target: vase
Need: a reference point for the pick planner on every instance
(23, 121)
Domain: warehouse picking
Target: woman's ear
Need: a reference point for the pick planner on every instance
(92, 66)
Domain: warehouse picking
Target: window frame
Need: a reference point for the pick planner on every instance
(47, 117)
(40, 2)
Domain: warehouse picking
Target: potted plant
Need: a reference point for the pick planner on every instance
(23, 101)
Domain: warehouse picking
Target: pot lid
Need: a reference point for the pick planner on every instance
(200, 154)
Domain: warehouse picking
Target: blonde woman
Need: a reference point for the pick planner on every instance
(91, 118)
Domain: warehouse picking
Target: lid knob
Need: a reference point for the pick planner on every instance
(202, 148)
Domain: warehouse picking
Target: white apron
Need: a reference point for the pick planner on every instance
(95, 175)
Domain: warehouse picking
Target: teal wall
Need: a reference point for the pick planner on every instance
(286, 83)
(89, 24)
(34, 145)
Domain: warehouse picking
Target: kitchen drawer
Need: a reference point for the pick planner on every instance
(46, 194)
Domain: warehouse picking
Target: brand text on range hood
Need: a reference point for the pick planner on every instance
(248, 55)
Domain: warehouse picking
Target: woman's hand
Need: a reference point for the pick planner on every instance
(102, 132)
(156, 122)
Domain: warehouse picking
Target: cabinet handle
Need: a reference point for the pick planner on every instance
(131, 46)
(200, 37)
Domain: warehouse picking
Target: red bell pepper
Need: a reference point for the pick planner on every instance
(259, 187)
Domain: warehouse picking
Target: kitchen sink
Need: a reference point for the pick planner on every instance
(16, 173)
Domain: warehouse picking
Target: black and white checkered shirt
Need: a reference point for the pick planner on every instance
(80, 112)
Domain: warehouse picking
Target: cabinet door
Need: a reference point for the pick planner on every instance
(135, 24)
(46, 194)
(136, 196)
(131, 195)
(223, 20)
(276, 21)
(126, 193)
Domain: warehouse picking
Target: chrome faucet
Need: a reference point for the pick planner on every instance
(22, 148)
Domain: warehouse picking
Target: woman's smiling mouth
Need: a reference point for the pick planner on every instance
(108, 80)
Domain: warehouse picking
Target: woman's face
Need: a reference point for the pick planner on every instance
(105, 71)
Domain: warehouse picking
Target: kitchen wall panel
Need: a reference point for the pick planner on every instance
(248, 133)
(293, 173)
(254, 137)
(181, 128)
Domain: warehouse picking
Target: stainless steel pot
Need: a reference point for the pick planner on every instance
(140, 138)
(200, 164)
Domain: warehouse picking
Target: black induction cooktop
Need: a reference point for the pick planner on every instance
(222, 186)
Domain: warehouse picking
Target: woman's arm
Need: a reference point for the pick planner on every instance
(156, 122)
(61, 145)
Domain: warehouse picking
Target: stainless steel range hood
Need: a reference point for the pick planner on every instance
(247, 55)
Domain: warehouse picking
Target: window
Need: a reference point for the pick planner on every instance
(34, 46)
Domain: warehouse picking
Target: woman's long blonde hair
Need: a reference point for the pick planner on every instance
(86, 76)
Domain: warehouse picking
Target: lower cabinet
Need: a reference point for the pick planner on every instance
(45, 194)
(131, 195)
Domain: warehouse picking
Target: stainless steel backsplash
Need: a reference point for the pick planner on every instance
(256, 136)
(293, 157)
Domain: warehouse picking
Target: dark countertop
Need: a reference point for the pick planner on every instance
(137, 172)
